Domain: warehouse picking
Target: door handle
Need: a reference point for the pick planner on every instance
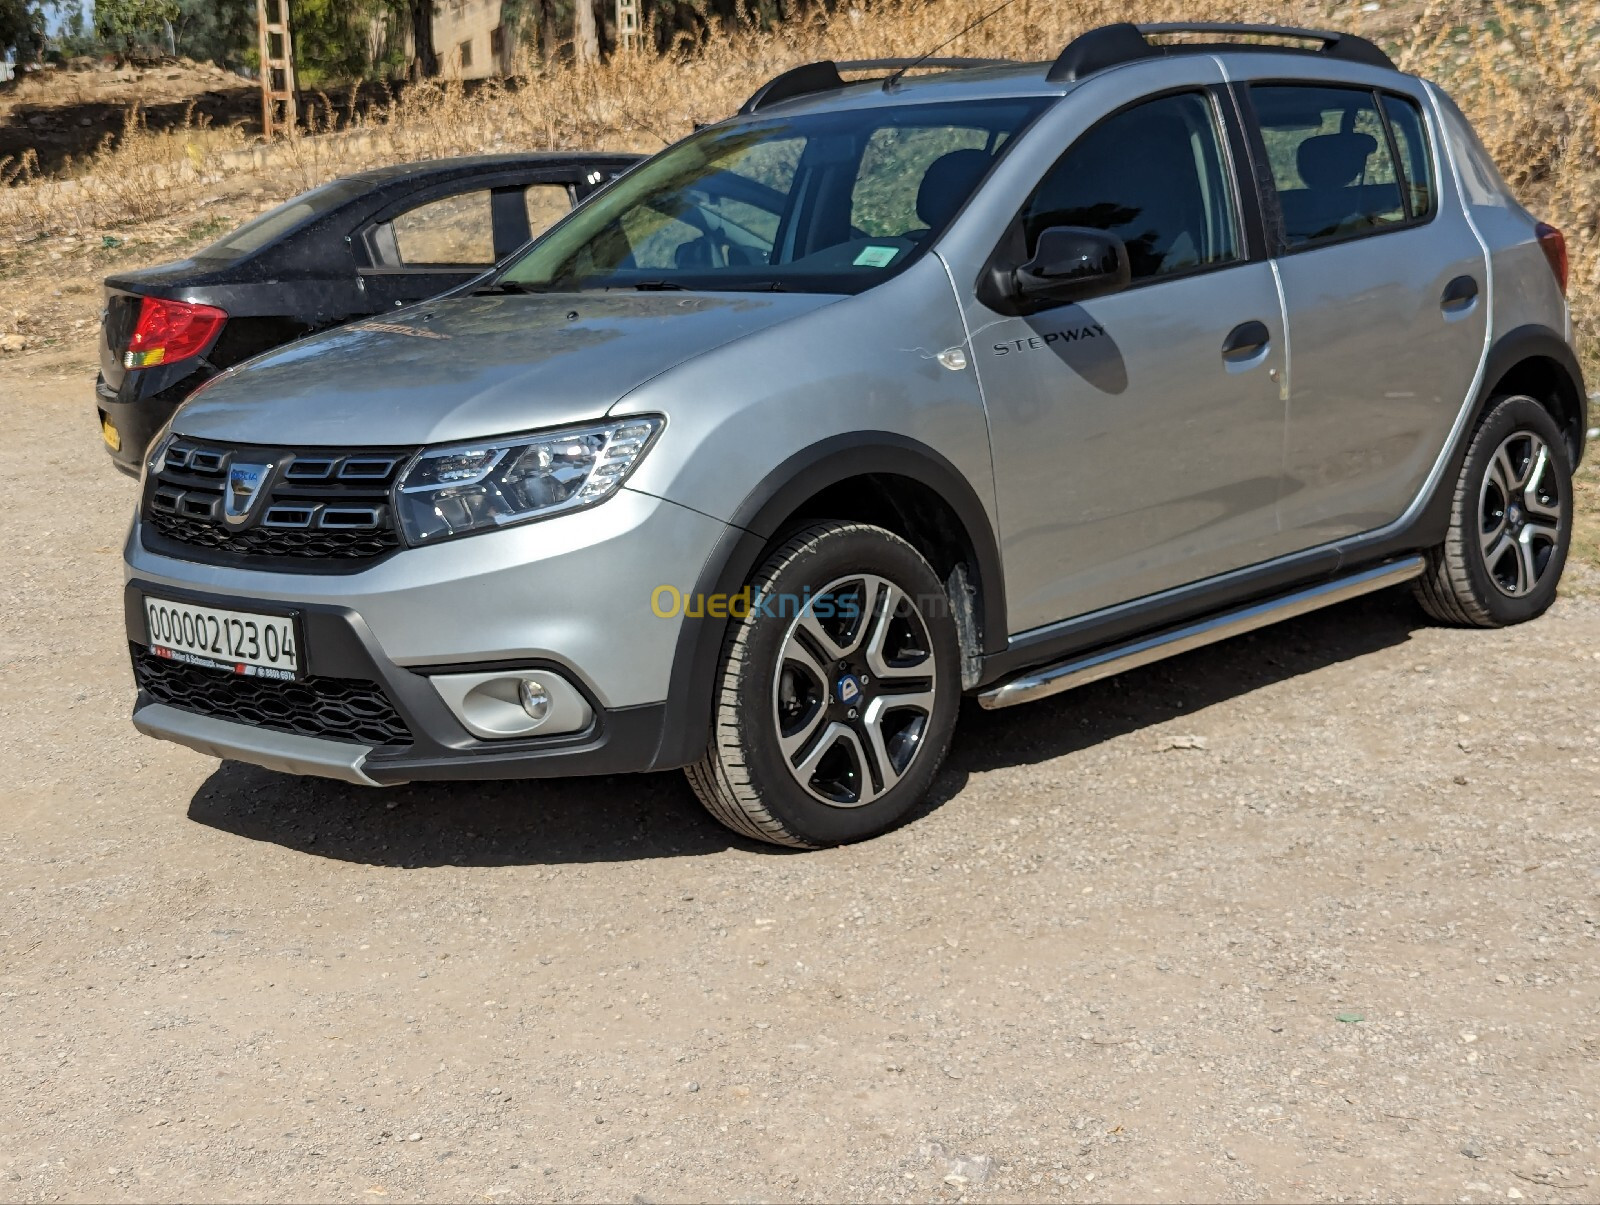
(1245, 341)
(1458, 295)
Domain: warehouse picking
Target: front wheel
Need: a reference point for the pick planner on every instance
(1510, 522)
(837, 691)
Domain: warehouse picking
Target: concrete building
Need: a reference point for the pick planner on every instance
(470, 40)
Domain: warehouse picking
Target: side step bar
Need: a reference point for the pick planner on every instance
(1091, 667)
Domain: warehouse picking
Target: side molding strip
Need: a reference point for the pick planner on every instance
(1079, 671)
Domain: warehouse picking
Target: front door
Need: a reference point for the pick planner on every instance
(1138, 437)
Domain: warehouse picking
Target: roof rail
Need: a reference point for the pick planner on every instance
(810, 78)
(1125, 42)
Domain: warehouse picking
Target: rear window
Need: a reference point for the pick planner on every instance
(291, 215)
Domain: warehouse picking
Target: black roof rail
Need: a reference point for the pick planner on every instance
(810, 78)
(948, 64)
(1125, 42)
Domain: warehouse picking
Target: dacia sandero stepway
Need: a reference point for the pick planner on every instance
(884, 392)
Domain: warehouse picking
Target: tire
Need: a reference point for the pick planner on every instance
(829, 727)
(1510, 522)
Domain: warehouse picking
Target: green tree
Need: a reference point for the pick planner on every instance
(74, 35)
(22, 28)
(219, 31)
(128, 25)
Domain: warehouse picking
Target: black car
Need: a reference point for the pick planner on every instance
(355, 247)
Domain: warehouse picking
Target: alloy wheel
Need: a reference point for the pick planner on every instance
(854, 690)
(1519, 514)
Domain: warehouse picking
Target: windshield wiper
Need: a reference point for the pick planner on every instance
(657, 286)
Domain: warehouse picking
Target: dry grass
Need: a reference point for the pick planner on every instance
(1528, 74)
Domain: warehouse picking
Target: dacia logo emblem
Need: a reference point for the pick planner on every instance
(848, 689)
(244, 489)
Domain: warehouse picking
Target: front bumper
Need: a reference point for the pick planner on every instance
(570, 595)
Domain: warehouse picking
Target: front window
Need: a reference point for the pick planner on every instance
(1153, 175)
(824, 203)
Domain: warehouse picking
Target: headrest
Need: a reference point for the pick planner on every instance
(1334, 160)
(948, 182)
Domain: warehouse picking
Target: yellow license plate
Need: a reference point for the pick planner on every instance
(110, 435)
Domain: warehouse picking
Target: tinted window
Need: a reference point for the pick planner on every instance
(451, 230)
(1155, 177)
(260, 231)
(1329, 152)
(1416, 163)
(817, 202)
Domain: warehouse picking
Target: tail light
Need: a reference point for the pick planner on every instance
(1554, 245)
(169, 331)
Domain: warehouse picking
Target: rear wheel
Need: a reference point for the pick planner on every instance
(837, 691)
(1510, 523)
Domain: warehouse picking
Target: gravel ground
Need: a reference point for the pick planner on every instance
(1311, 915)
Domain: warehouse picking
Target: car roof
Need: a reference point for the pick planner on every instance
(819, 87)
(973, 83)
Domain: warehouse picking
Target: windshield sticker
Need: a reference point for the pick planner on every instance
(876, 257)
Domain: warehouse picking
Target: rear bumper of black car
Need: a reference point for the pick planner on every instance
(130, 416)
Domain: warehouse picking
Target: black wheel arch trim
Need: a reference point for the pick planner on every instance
(1534, 341)
(761, 517)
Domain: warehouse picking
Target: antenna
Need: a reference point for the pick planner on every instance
(891, 80)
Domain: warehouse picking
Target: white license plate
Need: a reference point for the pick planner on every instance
(237, 642)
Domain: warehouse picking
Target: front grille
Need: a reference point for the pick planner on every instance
(275, 542)
(251, 505)
(335, 709)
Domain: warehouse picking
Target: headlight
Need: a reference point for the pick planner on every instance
(491, 483)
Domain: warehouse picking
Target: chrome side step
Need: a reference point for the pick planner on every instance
(1091, 667)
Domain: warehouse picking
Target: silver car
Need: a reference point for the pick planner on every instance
(988, 382)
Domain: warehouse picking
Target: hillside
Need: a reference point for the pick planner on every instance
(136, 166)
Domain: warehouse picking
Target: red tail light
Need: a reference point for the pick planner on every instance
(1554, 245)
(169, 331)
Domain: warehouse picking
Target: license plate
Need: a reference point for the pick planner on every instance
(237, 642)
(109, 433)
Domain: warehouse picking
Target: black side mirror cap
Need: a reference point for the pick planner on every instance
(1072, 263)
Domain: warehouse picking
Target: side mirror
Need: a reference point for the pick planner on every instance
(1071, 263)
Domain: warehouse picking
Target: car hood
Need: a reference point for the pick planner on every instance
(468, 367)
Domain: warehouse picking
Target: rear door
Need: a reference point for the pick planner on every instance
(434, 242)
(1385, 285)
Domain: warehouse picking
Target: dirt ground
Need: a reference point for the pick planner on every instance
(1312, 915)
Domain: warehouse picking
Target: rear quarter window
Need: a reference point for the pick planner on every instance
(291, 215)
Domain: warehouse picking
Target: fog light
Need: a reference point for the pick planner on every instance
(535, 700)
(500, 704)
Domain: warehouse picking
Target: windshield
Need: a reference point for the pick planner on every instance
(824, 203)
(260, 231)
